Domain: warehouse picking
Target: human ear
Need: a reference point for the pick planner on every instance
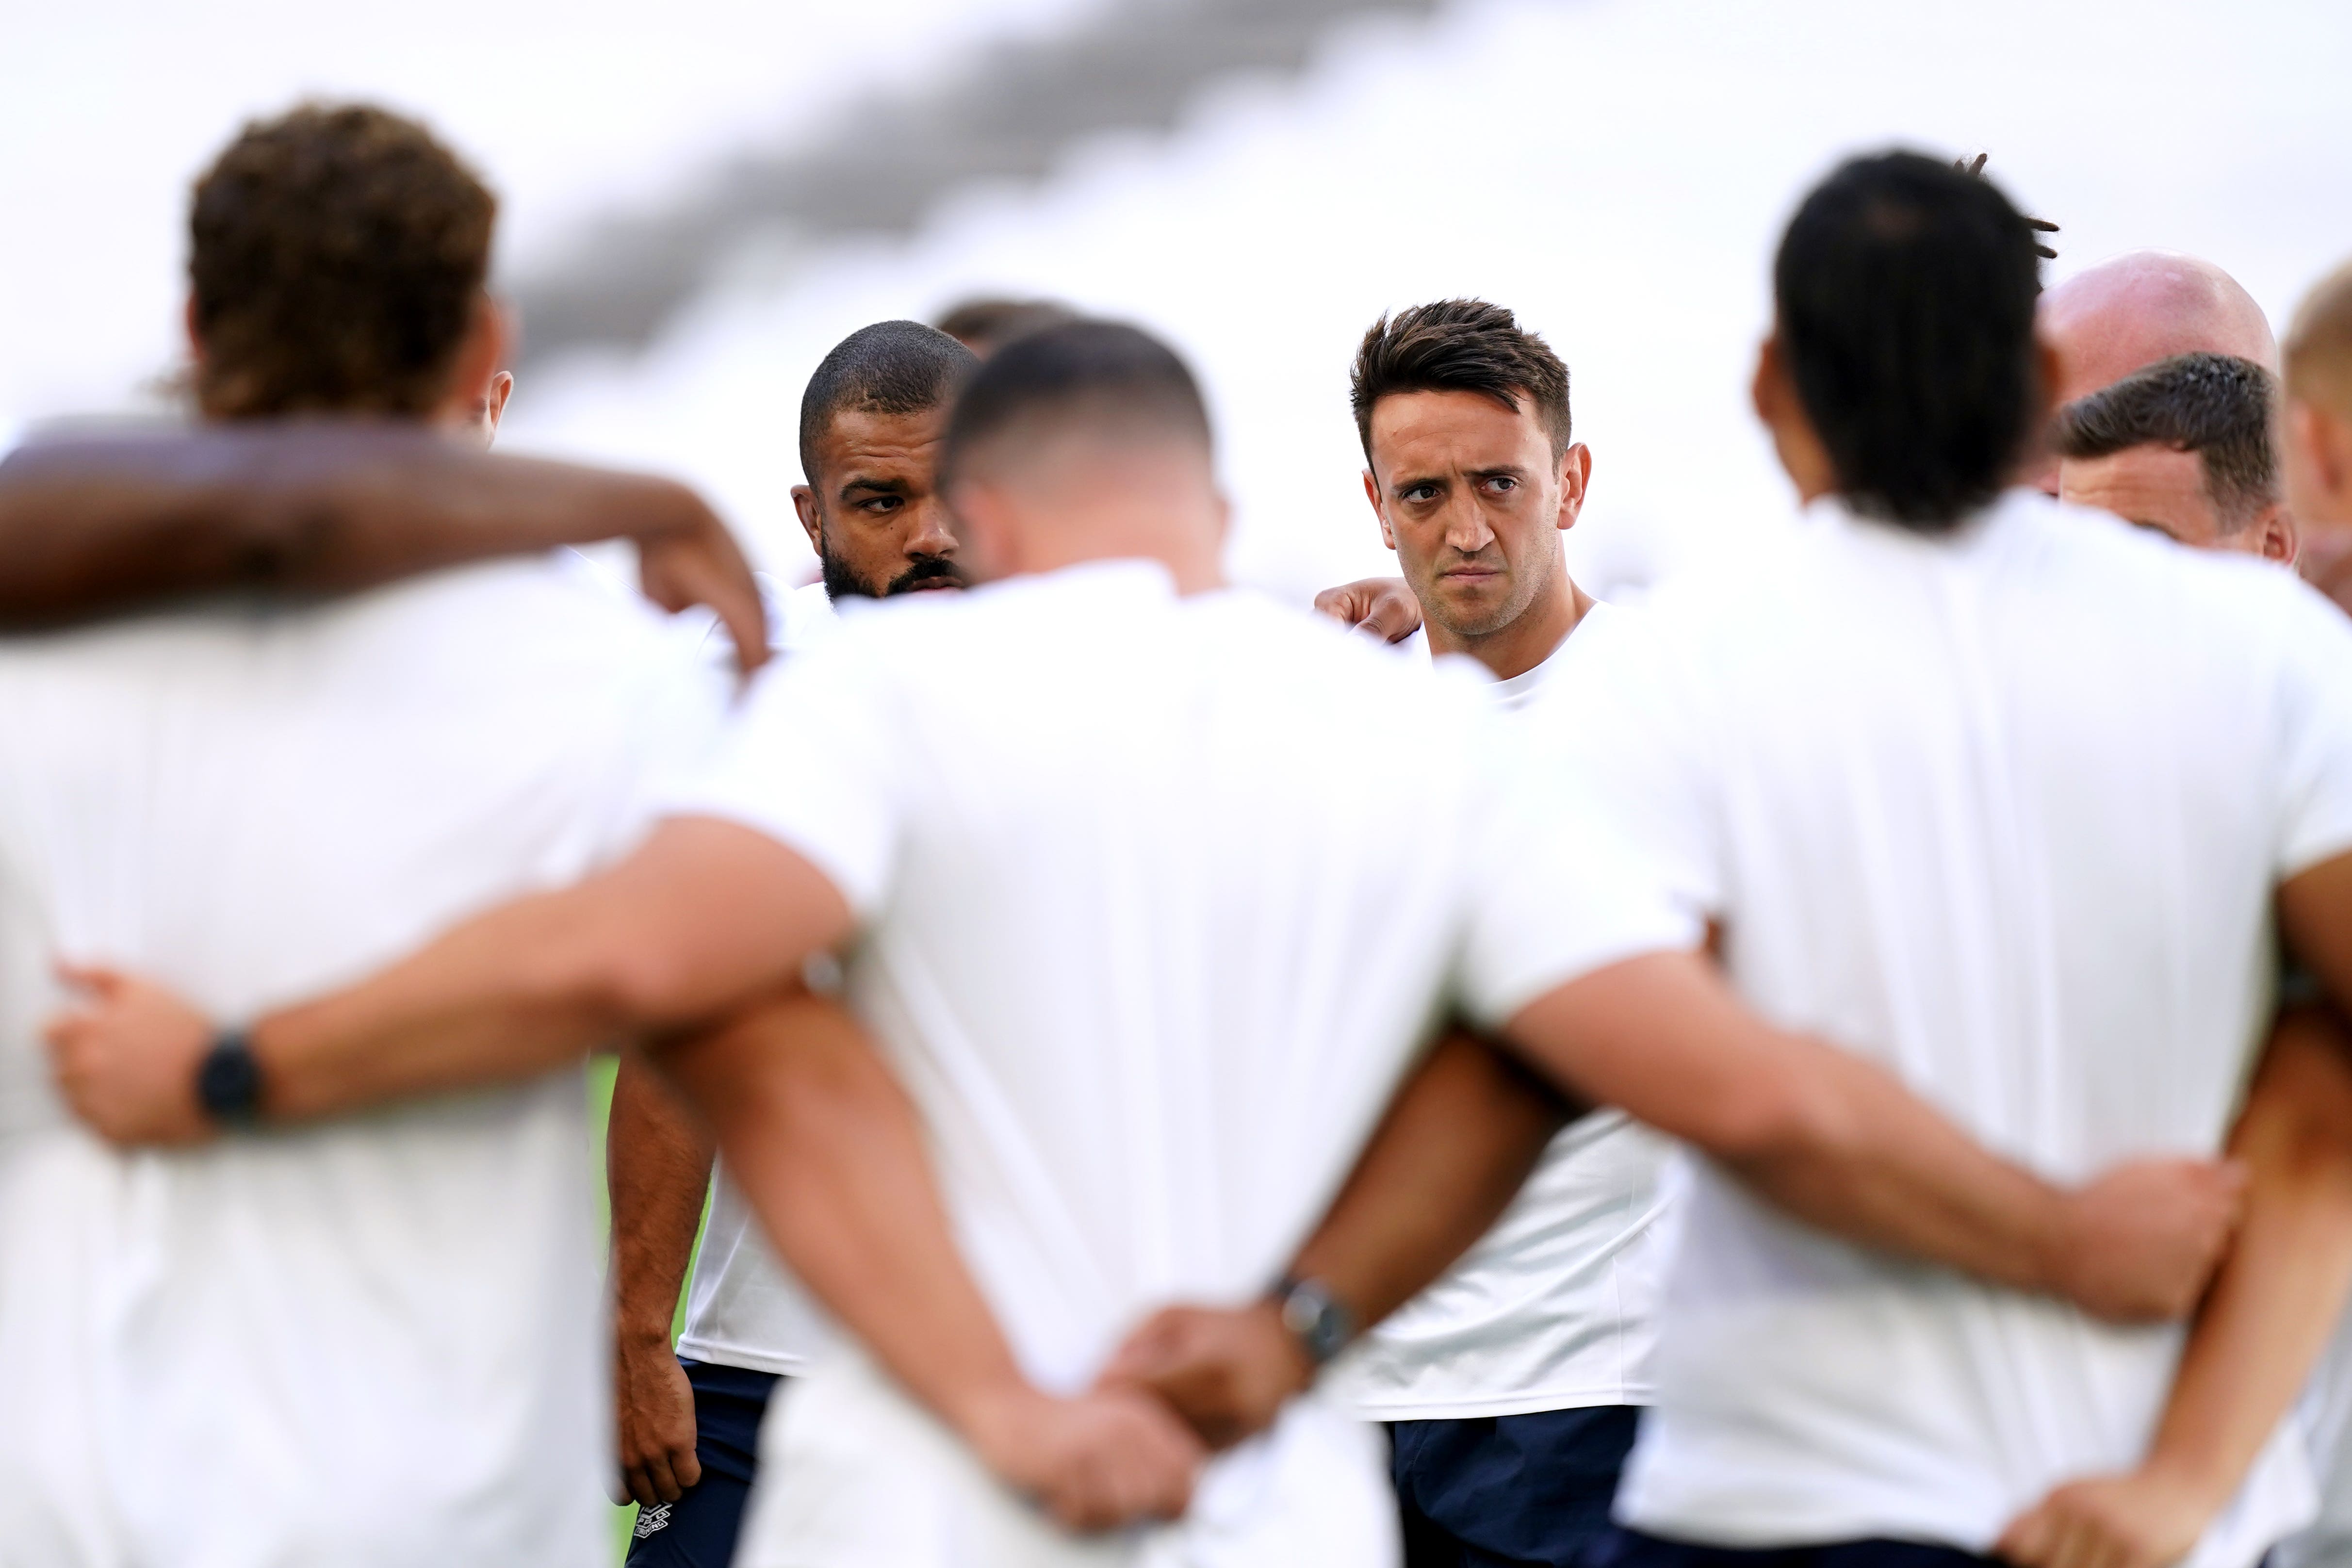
(1575, 474)
(811, 522)
(2281, 539)
(1372, 494)
(479, 355)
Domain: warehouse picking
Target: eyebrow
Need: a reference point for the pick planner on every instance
(1404, 482)
(883, 487)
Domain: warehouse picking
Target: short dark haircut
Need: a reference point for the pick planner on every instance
(1103, 375)
(890, 367)
(2216, 406)
(987, 323)
(1460, 345)
(1906, 292)
(337, 255)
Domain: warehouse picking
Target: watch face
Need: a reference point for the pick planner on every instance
(1319, 1323)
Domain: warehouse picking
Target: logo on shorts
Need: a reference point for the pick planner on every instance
(652, 1518)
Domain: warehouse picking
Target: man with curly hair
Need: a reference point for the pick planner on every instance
(375, 1342)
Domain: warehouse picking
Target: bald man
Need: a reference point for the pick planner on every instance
(2134, 309)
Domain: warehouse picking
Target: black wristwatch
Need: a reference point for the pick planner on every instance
(1314, 1317)
(228, 1080)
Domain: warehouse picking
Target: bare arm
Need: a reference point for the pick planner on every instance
(657, 1165)
(2272, 1306)
(92, 528)
(825, 1145)
(1839, 1142)
(704, 916)
(1453, 1150)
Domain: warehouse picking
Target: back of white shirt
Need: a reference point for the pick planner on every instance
(375, 1341)
(1136, 932)
(2003, 811)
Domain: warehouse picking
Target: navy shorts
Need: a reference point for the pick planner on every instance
(698, 1530)
(1503, 1491)
(1630, 1549)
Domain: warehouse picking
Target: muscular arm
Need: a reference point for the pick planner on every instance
(1839, 1142)
(829, 1151)
(1452, 1151)
(704, 917)
(91, 528)
(657, 1166)
(2262, 1326)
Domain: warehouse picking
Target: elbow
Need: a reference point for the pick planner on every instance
(611, 970)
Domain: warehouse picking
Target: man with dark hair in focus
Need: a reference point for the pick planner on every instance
(1512, 1385)
(2184, 447)
(688, 1422)
(370, 1345)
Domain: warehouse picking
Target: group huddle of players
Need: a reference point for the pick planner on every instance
(1834, 1064)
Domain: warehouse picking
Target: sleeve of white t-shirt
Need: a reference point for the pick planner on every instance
(2315, 732)
(1594, 845)
(811, 759)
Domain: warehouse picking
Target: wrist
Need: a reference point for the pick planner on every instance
(989, 1413)
(2055, 1246)
(2195, 1481)
(1299, 1363)
(228, 1080)
(1319, 1324)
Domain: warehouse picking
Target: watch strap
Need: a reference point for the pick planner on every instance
(228, 1080)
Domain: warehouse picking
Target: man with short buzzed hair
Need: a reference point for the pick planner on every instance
(688, 1422)
(2183, 447)
(869, 425)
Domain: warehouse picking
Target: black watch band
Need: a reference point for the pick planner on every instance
(228, 1080)
(1314, 1317)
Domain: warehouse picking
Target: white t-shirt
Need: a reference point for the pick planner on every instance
(375, 1341)
(1136, 937)
(744, 1308)
(1552, 1309)
(2003, 811)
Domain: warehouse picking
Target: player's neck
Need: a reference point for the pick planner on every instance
(1527, 642)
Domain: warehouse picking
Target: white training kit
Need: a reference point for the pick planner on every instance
(375, 1341)
(1552, 1309)
(1138, 935)
(744, 1308)
(2004, 811)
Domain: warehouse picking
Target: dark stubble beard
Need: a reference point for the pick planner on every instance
(841, 582)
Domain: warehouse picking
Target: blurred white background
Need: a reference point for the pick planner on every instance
(1616, 171)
